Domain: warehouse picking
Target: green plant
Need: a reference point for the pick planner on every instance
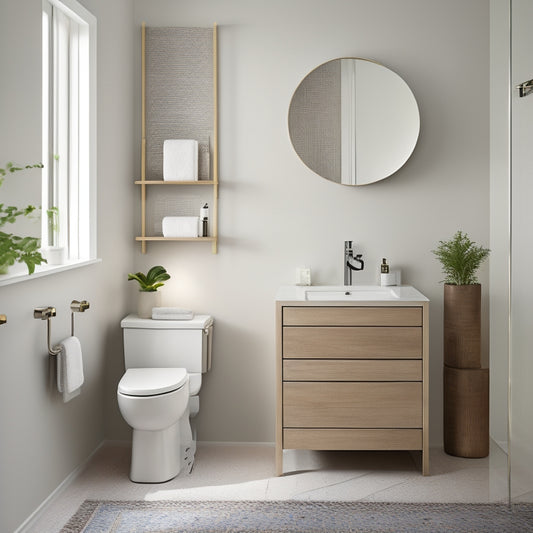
(460, 259)
(15, 248)
(151, 281)
(10, 167)
(53, 224)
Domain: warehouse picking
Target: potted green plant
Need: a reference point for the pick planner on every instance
(149, 283)
(465, 382)
(55, 254)
(16, 248)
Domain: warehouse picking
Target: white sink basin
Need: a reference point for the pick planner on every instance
(340, 293)
(363, 292)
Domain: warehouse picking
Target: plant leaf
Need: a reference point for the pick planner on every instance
(460, 259)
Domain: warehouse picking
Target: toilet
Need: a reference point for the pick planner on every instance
(158, 394)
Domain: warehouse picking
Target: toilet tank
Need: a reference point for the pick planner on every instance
(168, 343)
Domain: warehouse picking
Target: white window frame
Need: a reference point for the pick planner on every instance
(69, 127)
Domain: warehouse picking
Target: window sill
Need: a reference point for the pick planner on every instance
(43, 270)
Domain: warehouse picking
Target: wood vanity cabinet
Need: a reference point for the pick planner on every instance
(352, 377)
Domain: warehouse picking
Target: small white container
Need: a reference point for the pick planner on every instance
(303, 276)
(55, 255)
(391, 278)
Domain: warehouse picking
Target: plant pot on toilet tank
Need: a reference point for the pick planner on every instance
(466, 384)
(149, 296)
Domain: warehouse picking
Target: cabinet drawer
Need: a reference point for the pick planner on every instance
(352, 316)
(352, 370)
(353, 439)
(352, 342)
(352, 405)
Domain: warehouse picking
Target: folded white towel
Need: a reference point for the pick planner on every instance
(69, 368)
(171, 313)
(180, 160)
(180, 226)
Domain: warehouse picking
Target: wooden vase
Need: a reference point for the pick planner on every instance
(462, 326)
(466, 412)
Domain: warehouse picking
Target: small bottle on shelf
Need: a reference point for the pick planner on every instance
(204, 217)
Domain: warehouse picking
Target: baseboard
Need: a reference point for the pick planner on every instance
(228, 443)
(116, 444)
(58, 490)
(127, 443)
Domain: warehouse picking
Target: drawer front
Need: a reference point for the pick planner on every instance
(352, 439)
(353, 342)
(352, 370)
(352, 405)
(352, 316)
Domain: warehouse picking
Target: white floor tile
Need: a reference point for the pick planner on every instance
(248, 473)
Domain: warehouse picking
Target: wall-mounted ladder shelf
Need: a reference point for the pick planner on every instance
(145, 183)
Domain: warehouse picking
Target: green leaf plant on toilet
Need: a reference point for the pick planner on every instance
(149, 283)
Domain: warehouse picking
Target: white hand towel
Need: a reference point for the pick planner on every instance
(180, 160)
(180, 226)
(69, 368)
(171, 313)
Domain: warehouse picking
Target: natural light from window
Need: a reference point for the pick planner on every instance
(69, 132)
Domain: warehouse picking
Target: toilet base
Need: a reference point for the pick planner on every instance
(155, 455)
(159, 456)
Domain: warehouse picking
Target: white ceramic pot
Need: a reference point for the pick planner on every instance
(146, 301)
(55, 255)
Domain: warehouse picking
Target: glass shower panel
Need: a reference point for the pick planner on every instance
(521, 346)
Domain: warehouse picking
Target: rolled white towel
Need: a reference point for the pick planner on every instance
(180, 226)
(171, 313)
(69, 368)
(180, 160)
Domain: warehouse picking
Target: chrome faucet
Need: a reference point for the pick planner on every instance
(349, 262)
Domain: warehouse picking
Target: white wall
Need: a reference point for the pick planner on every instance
(43, 440)
(276, 215)
(521, 366)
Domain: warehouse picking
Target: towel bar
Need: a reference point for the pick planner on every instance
(77, 307)
(46, 313)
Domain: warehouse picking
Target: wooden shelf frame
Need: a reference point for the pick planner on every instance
(161, 238)
(168, 182)
(143, 182)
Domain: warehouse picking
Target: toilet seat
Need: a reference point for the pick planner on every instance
(151, 381)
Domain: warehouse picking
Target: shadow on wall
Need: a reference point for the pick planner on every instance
(241, 358)
(114, 370)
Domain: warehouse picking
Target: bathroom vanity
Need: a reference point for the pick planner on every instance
(352, 369)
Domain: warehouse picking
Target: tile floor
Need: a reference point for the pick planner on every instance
(248, 473)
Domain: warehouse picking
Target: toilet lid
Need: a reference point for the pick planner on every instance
(151, 381)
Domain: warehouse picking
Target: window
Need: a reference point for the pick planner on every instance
(69, 129)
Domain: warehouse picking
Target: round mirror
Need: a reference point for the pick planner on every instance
(353, 121)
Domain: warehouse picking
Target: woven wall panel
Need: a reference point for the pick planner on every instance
(179, 92)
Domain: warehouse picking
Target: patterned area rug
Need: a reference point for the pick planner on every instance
(297, 517)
